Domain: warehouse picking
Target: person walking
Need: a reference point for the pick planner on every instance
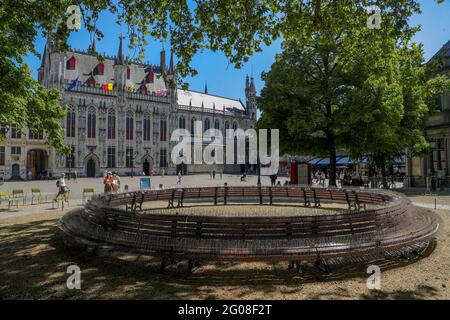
(75, 176)
(214, 174)
(179, 177)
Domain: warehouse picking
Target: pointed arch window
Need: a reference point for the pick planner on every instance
(71, 64)
(163, 130)
(217, 124)
(143, 89)
(193, 125)
(182, 122)
(111, 124)
(70, 122)
(91, 81)
(207, 124)
(147, 127)
(91, 124)
(100, 69)
(129, 126)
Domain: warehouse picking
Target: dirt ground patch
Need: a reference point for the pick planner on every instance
(33, 264)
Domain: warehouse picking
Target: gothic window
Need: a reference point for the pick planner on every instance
(111, 124)
(151, 77)
(70, 122)
(71, 64)
(143, 89)
(129, 158)
(15, 133)
(36, 135)
(163, 130)
(147, 127)
(163, 158)
(193, 125)
(217, 124)
(111, 157)
(16, 150)
(227, 125)
(235, 126)
(91, 81)
(91, 124)
(100, 69)
(182, 122)
(207, 124)
(70, 159)
(129, 126)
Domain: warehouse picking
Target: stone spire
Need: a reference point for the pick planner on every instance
(120, 56)
(171, 67)
(206, 87)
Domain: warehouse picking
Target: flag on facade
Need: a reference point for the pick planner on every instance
(161, 92)
(73, 84)
(108, 87)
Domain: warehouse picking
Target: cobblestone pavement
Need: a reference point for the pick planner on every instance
(48, 189)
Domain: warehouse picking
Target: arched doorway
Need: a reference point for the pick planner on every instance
(90, 168)
(37, 162)
(147, 165)
(15, 174)
(92, 165)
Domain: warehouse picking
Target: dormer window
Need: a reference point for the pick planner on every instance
(100, 69)
(71, 64)
(91, 81)
(151, 77)
(143, 89)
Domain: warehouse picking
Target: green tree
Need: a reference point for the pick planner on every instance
(238, 28)
(346, 86)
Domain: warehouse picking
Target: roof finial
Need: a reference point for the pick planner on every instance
(206, 87)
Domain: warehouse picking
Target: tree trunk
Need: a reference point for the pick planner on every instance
(332, 173)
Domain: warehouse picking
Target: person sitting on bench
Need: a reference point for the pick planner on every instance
(243, 177)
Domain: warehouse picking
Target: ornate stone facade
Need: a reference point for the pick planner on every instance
(126, 129)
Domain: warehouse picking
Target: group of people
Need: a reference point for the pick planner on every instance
(111, 182)
(350, 178)
(320, 177)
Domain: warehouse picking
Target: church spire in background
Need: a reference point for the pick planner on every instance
(120, 57)
(206, 87)
(171, 67)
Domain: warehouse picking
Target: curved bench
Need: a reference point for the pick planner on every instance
(390, 227)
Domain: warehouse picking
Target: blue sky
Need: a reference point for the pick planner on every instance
(224, 79)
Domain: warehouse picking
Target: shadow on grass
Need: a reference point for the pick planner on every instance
(34, 260)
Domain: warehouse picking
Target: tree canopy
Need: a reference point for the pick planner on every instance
(238, 28)
(346, 86)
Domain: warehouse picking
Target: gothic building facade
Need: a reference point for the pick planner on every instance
(120, 116)
(436, 164)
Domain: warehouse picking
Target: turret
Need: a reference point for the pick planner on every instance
(250, 93)
(120, 69)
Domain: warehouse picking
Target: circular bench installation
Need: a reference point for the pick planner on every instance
(333, 226)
